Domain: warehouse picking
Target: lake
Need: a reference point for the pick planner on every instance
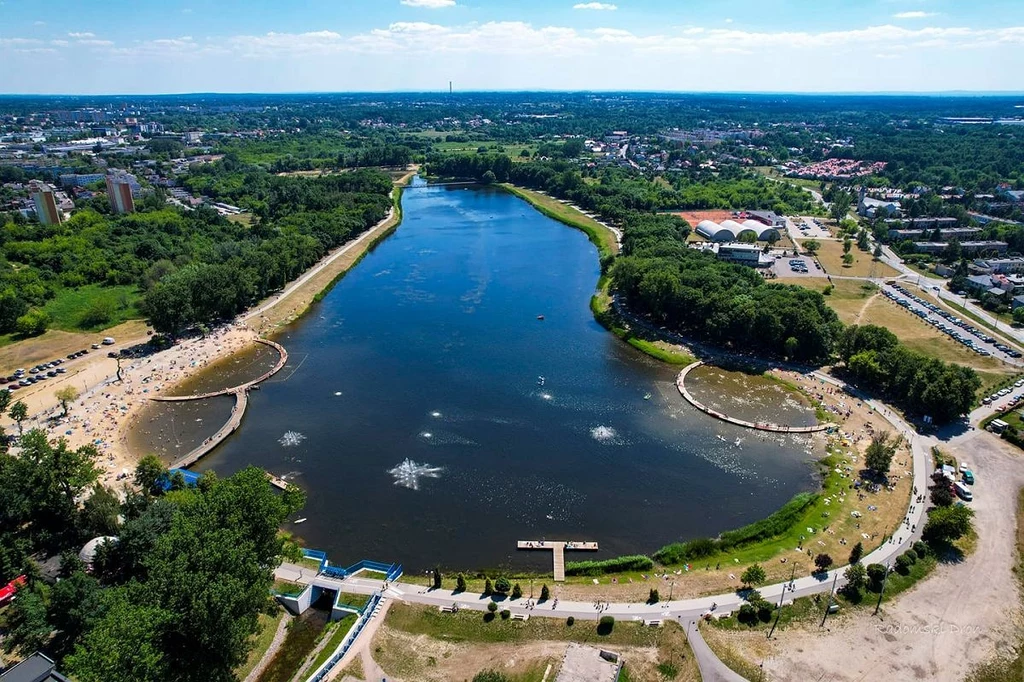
(514, 428)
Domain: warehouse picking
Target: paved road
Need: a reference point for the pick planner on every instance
(711, 668)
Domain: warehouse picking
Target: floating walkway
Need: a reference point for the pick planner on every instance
(241, 394)
(558, 548)
(760, 426)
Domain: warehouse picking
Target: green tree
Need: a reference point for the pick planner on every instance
(653, 597)
(877, 253)
(822, 562)
(811, 246)
(65, 395)
(948, 524)
(490, 676)
(517, 591)
(489, 178)
(1018, 319)
(754, 575)
(460, 583)
(488, 588)
(28, 628)
(19, 413)
(545, 593)
(100, 512)
(941, 496)
(76, 604)
(848, 259)
(492, 606)
(5, 401)
(150, 473)
(880, 452)
(32, 323)
(856, 553)
(502, 585)
(856, 576)
(437, 578)
(847, 245)
(862, 240)
(125, 644)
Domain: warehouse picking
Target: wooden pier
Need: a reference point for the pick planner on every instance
(558, 548)
(276, 481)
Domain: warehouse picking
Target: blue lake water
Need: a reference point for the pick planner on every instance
(430, 350)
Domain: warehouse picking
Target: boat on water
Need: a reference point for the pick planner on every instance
(720, 437)
(648, 396)
(540, 317)
(540, 381)
(302, 520)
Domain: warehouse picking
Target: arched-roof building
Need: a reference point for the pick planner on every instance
(738, 230)
(714, 232)
(88, 552)
(764, 232)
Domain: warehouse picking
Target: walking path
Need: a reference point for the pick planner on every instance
(711, 668)
(760, 426)
(682, 611)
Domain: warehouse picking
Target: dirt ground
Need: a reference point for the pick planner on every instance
(694, 217)
(830, 255)
(941, 629)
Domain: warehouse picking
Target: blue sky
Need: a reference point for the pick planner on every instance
(118, 46)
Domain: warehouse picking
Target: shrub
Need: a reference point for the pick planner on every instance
(822, 562)
(911, 555)
(570, 621)
(505, 614)
(679, 552)
(772, 526)
(856, 575)
(637, 562)
(903, 564)
(460, 583)
(653, 597)
(856, 553)
(947, 524)
(517, 591)
(747, 614)
(492, 607)
(941, 496)
(754, 575)
(764, 611)
(921, 548)
(488, 588)
(490, 676)
(32, 323)
(605, 625)
(502, 585)
(545, 593)
(876, 574)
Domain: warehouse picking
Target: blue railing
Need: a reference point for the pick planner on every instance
(317, 555)
(356, 629)
(333, 571)
(390, 571)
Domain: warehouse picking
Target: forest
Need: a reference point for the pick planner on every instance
(191, 266)
(174, 598)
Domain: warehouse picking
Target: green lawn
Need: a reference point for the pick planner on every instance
(93, 307)
(268, 625)
(340, 629)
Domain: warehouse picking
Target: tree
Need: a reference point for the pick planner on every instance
(847, 245)
(848, 259)
(437, 578)
(862, 240)
(545, 593)
(876, 574)
(822, 562)
(880, 452)
(488, 588)
(754, 575)
(460, 583)
(5, 401)
(792, 345)
(605, 625)
(1018, 319)
(502, 585)
(27, 626)
(32, 323)
(489, 178)
(877, 253)
(150, 474)
(653, 597)
(492, 606)
(65, 395)
(856, 553)
(19, 413)
(517, 591)
(811, 246)
(947, 524)
(941, 495)
(100, 512)
(76, 604)
(856, 576)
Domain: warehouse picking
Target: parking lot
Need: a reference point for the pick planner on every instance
(960, 330)
(796, 266)
(807, 228)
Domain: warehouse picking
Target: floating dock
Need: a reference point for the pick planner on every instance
(557, 547)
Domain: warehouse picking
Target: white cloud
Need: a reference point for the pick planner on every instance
(728, 21)
(601, 6)
(429, 4)
(82, 35)
(39, 23)
(913, 15)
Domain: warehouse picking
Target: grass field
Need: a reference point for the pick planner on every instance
(268, 625)
(848, 297)
(92, 307)
(419, 642)
(56, 344)
(830, 255)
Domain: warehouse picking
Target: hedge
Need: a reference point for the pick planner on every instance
(636, 562)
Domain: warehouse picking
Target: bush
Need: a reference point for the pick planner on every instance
(947, 524)
(856, 576)
(911, 555)
(490, 676)
(570, 621)
(754, 575)
(903, 564)
(856, 553)
(517, 591)
(502, 585)
(941, 495)
(764, 611)
(876, 574)
(32, 323)
(545, 593)
(488, 588)
(822, 562)
(921, 547)
(747, 614)
(637, 562)
(492, 607)
(460, 583)
(605, 625)
(680, 552)
(653, 597)
(505, 614)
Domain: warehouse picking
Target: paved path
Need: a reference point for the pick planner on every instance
(760, 426)
(711, 668)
